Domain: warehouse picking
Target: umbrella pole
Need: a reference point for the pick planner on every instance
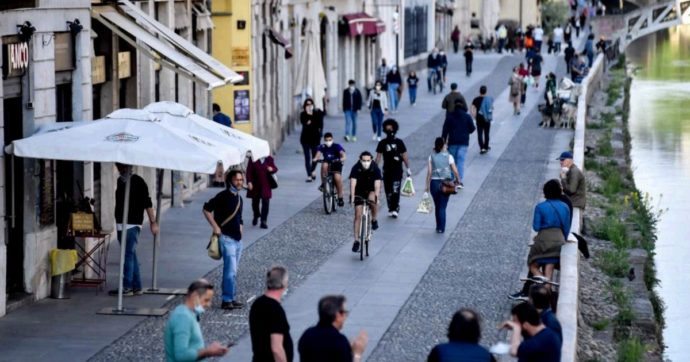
(156, 238)
(123, 241)
(156, 245)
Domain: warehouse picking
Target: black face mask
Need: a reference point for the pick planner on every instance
(390, 133)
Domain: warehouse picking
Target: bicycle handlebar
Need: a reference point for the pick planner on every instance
(314, 163)
(365, 200)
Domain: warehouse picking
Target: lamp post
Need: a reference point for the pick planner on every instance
(520, 14)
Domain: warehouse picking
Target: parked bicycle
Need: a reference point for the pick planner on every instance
(328, 188)
(364, 230)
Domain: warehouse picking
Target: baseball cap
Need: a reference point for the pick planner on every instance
(565, 155)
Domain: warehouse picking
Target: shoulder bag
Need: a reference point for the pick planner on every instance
(213, 247)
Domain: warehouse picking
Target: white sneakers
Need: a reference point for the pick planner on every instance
(393, 214)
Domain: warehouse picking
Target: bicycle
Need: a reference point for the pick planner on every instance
(365, 230)
(328, 189)
(436, 79)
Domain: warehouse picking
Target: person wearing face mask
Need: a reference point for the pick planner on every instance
(311, 119)
(433, 62)
(352, 103)
(394, 154)
(268, 325)
(259, 187)
(378, 104)
(182, 336)
(334, 155)
(224, 213)
(365, 182)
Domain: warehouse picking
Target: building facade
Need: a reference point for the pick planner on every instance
(79, 60)
(352, 36)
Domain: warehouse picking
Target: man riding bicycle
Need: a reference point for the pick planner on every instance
(433, 63)
(365, 184)
(333, 156)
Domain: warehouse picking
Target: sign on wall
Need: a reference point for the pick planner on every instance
(98, 69)
(64, 52)
(124, 65)
(240, 56)
(16, 59)
(241, 106)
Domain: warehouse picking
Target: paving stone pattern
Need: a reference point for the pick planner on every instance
(482, 259)
(306, 240)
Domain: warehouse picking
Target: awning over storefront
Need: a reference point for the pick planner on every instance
(278, 38)
(363, 24)
(163, 44)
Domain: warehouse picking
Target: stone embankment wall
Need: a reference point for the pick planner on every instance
(618, 314)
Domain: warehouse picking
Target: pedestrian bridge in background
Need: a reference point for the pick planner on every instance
(628, 27)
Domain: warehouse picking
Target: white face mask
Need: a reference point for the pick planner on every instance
(366, 164)
(329, 143)
(310, 109)
(352, 88)
(378, 87)
(198, 308)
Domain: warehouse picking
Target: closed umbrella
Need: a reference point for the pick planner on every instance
(133, 137)
(311, 78)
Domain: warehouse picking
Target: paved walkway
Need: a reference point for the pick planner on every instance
(314, 246)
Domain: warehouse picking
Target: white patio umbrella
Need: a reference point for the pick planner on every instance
(134, 137)
(310, 77)
(180, 117)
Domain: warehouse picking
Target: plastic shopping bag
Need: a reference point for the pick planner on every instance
(407, 188)
(426, 205)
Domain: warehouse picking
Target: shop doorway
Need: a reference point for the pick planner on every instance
(69, 179)
(14, 189)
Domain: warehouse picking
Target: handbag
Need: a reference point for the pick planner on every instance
(213, 247)
(448, 187)
(273, 181)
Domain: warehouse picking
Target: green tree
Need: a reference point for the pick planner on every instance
(553, 12)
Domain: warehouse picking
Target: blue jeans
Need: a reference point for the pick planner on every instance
(350, 123)
(413, 95)
(440, 204)
(459, 152)
(131, 278)
(393, 95)
(377, 121)
(232, 251)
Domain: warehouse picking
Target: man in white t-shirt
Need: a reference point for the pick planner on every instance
(557, 38)
(538, 34)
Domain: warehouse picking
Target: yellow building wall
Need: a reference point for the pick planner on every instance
(232, 46)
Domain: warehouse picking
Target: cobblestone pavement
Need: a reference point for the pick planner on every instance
(484, 256)
(311, 241)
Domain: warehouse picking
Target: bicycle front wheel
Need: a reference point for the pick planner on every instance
(327, 198)
(363, 232)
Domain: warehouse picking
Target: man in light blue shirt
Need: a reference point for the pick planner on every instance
(183, 338)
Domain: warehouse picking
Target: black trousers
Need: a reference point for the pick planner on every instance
(468, 66)
(391, 185)
(483, 129)
(263, 213)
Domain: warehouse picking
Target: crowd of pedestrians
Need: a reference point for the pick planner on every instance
(536, 332)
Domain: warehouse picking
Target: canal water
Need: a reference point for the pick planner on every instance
(660, 131)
